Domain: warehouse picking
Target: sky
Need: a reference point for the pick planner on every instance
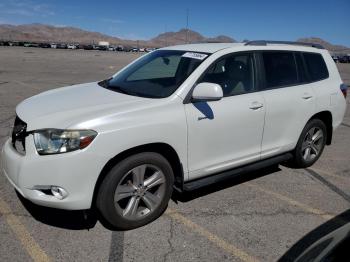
(141, 20)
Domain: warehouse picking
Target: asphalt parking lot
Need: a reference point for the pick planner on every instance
(264, 216)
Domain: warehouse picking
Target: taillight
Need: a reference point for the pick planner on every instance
(344, 89)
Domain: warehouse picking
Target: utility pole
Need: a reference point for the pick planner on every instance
(166, 36)
(187, 32)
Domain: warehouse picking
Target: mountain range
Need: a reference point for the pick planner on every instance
(49, 33)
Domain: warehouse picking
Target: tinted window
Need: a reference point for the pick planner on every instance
(234, 73)
(157, 68)
(157, 74)
(316, 66)
(280, 69)
(301, 68)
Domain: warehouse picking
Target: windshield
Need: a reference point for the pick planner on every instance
(156, 75)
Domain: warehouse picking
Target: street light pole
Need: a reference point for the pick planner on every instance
(187, 31)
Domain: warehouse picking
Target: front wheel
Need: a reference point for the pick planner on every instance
(311, 144)
(136, 191)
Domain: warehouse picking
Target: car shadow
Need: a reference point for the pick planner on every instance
(235, 180)
(74, 220)
(205, 109)
(87, 219)
(304, 243)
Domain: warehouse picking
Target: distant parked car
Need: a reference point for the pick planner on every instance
(28, 44)
(119, 48)
(71, 46)
(61, 46)
(134, 49)
(149, 49)
(101, 48)
(344, 59)
(53, 45)
(127, 49)
(88, 47)
(44, 45)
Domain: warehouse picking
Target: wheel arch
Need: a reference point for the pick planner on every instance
(326, 117)
(163, 149)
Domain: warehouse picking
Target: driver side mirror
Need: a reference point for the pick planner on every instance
(207, 92)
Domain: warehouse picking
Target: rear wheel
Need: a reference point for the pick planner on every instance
(136, 191)
(311, 143)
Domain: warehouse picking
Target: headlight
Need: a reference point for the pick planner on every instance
(57, 141)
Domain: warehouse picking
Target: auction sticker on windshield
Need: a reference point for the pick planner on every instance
(194, 55)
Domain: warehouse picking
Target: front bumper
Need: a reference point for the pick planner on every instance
(76, 172)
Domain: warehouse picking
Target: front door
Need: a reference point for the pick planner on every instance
(227, 133)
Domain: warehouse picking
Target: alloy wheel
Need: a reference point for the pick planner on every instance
(312, 144)
(140, 192)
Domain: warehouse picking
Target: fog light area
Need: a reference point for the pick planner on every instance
(59, 192)
(55, 191)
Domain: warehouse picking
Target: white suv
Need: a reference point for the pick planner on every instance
(180, 117)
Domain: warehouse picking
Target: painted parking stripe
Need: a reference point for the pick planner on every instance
(221, 243)
(31, 246)
(292, 202)
(229, 248)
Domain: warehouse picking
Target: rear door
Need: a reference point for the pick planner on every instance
(290, 100)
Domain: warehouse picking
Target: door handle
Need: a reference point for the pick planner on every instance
(307, 96)
(255, 105)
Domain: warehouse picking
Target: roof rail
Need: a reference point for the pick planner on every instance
(266, 42)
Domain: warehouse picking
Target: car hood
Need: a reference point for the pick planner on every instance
(69, 106)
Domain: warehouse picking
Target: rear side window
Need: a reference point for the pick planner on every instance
(303, 78)
(316, 66)
(280, 69)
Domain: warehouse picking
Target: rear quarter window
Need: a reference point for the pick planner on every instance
(280, 69)
(316, 66)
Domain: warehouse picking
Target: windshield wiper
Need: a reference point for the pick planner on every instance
(104, 83)
(119, 89)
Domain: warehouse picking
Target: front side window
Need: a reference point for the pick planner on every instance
(157, 74)
(234, 73)
(316, 66)
(280, 69)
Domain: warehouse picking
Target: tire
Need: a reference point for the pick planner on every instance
(310, 146)
(126, 201)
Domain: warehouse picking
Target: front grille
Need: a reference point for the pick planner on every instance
(19, 135)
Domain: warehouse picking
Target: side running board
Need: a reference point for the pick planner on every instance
(212, 179)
